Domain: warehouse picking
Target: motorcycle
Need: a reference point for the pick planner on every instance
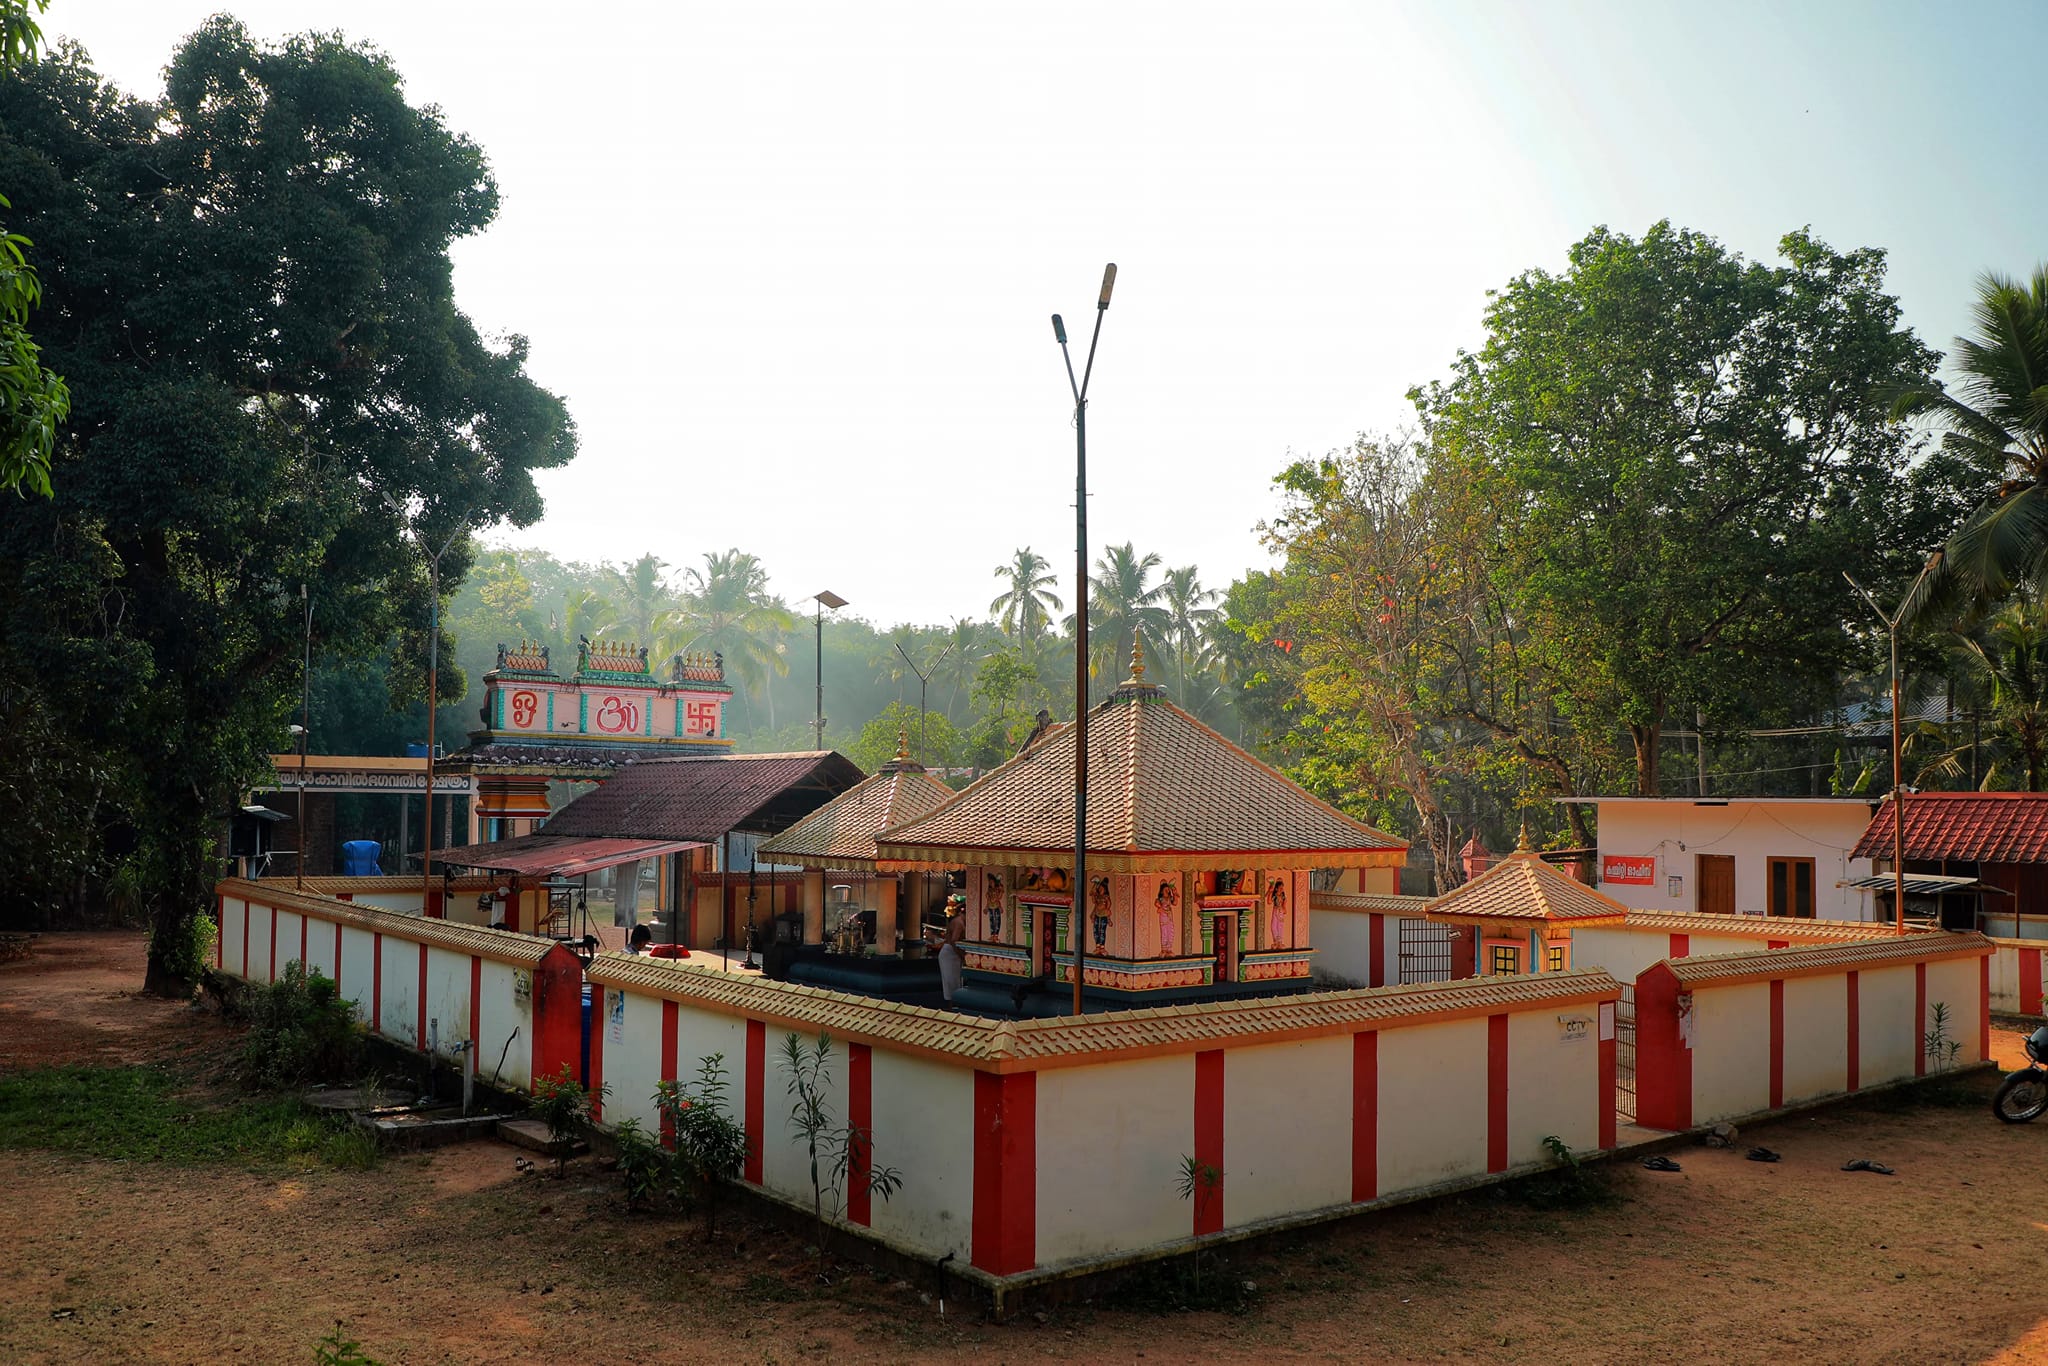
(2023, 1096)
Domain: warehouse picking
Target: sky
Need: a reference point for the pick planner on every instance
(791, 265)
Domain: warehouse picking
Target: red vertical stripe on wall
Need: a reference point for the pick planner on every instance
(376, 983)
(2030, 981)
(1681, 945)
(1984, 1008)
(1496, 1093)
(1608, 1122)
(1005, 1233)
(1376, 974)
(1208, 1199)
(303, 922)
(476, 1011)
(1777, 943)
(272, 966)
(595, 1081)
(1777, 1042)
(668, 1063)
(757, 1096)
(220, 932)
(247, 925)
(1365, 1115)
(1855, 1031)
(344, 896)
(337, 956)
(860, 1113)
(420, 1027)
(1920, 1018)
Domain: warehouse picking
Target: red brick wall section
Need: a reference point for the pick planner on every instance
(669, 1016)
(1663, 1062)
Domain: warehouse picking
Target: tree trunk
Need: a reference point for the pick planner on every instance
(1648, 742)
(1444, 866)
(187, 891)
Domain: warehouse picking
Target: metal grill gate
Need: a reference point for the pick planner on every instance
(1425, 951)
(1625, 1055)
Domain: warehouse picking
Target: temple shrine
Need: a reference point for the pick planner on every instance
(1199, 865)
(1517, 917)
(540, 727)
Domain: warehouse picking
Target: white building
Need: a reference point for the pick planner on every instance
(1784, 856)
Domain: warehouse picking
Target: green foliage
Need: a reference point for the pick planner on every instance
(643, 1165)
(1570, 1185)
(300, 1032)
(878, 739)
(148, 1114)
(1941, 1050)
(841, 1156)
(247, 284)
(33, 401)
(335, 1348)
(1199, 1183)
(563, 1104)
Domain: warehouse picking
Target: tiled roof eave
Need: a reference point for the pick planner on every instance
(1530, 917)
(914, 856)
(1883, 949)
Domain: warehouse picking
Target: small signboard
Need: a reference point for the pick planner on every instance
(1629, 869)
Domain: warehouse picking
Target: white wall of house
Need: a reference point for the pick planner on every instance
(1673, 832)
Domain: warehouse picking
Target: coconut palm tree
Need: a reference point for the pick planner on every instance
(642, 600)
(1189, 617)
(1025, 609)
(965, 646)
(1124, 605)
(727, 609)
(2011, 654)
(1996, 418)
(587, 612)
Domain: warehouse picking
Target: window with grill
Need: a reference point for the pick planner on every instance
(1507, 960)
(1554, 959)
(1790, 884)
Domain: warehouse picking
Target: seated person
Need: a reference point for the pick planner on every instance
(640, 940)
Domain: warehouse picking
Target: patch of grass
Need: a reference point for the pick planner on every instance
(146, 1114)
(1171, 1287)
(770, 1288)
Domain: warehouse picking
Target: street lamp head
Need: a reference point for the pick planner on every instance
(1108, 283)
(830, 599)
(1059, 329)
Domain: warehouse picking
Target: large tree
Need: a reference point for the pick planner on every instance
(248, 285)
(1682, 451)
(33, 400)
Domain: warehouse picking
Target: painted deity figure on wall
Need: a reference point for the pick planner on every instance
(1276, 912)
(992, 904)
(1167, 904)
(1098, 912)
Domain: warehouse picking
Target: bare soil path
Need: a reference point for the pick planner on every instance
(452, 1257)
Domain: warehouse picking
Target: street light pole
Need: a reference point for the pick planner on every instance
(305, 735)
(1892, 622)
(830, 599)
(1076, 916)
(433, 558)
(924, 676)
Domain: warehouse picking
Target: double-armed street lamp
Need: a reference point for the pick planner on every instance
(433, 558)
(924, 677)
(1892, 621)
(1080, 392)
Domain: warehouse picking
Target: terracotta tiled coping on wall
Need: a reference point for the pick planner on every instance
(498, 946)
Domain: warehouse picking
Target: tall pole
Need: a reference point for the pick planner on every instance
(305, 734)
(433, 700)
(1892, 622)
(924, 676)
(1077, 914)
(818, 725)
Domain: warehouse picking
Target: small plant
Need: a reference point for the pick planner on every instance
(563, 1104)
(300, 1031)
(336, 1349)
(1570, 1184)
(1198, 1182)
(711, 1147)
(643, 1165)
(1941, 1050)
(846, 1149)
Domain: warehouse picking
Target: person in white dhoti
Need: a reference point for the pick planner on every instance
(952, 957)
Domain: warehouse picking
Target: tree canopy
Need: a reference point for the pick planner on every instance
(249, 289)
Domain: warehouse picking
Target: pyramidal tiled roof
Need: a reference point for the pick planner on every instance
(1524, 887)
(841, 833)
(1164, 792)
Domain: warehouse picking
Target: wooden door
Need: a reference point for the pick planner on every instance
(1224, 927)
(1716, 873)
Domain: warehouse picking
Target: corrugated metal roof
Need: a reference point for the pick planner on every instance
(549, 855)
(1159, 783)
(1984, 827)
(1028, 1045)
(704, 799)
(1524, 887)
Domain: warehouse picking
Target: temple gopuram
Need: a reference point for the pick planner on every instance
(540, 727)
(1199, 863)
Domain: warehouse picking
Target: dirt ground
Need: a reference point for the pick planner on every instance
(453, 1257)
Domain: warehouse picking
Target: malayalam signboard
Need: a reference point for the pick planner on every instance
(1630, 870)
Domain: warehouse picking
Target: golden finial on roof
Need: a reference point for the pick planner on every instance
(902, 743)
(1522, 845)
(1137, 659)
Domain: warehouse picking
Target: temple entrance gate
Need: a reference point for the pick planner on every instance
(1425, 952)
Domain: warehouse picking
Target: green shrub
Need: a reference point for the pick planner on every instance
(300, 1032)
(711, 1146)
(563, 1104)
(644, 1165)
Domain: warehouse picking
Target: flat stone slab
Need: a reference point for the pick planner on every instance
(355, 1099)
(424, 1129)
(532, 1135)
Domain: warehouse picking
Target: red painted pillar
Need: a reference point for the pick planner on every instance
(668, 1063)
(2030, 981)
(756, 1096)
(1919, 1019)
(337, 956)
(1663, 1058)
(376, 983)
(860, 1114)
(1496, 1093)
(476, 1012)
(272, 967)
(308, 967)
(1376, 974)
(1005, 1225)
(596, 1079)
(248, 923)
(1984, 1008)
(1681, 945)
(1855, 1030)
(1365, 1115)
(1608, 1123)
(419, 1032)
(1208, 1200)
(1777, 1042)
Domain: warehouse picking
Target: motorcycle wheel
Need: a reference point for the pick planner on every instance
(2022, 1097)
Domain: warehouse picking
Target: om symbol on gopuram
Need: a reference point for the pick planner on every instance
(616, 717)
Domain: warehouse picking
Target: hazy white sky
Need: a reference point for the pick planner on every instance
(791, 264)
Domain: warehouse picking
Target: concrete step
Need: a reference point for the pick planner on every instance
(532, 1135)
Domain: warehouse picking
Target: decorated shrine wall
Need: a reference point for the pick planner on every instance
(614, 695)
(1145, 917)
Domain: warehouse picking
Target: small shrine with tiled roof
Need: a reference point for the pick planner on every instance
(1199, 858)
(1520, 914)
(839, 837)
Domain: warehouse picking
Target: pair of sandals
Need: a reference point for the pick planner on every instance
(1661, 1163)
